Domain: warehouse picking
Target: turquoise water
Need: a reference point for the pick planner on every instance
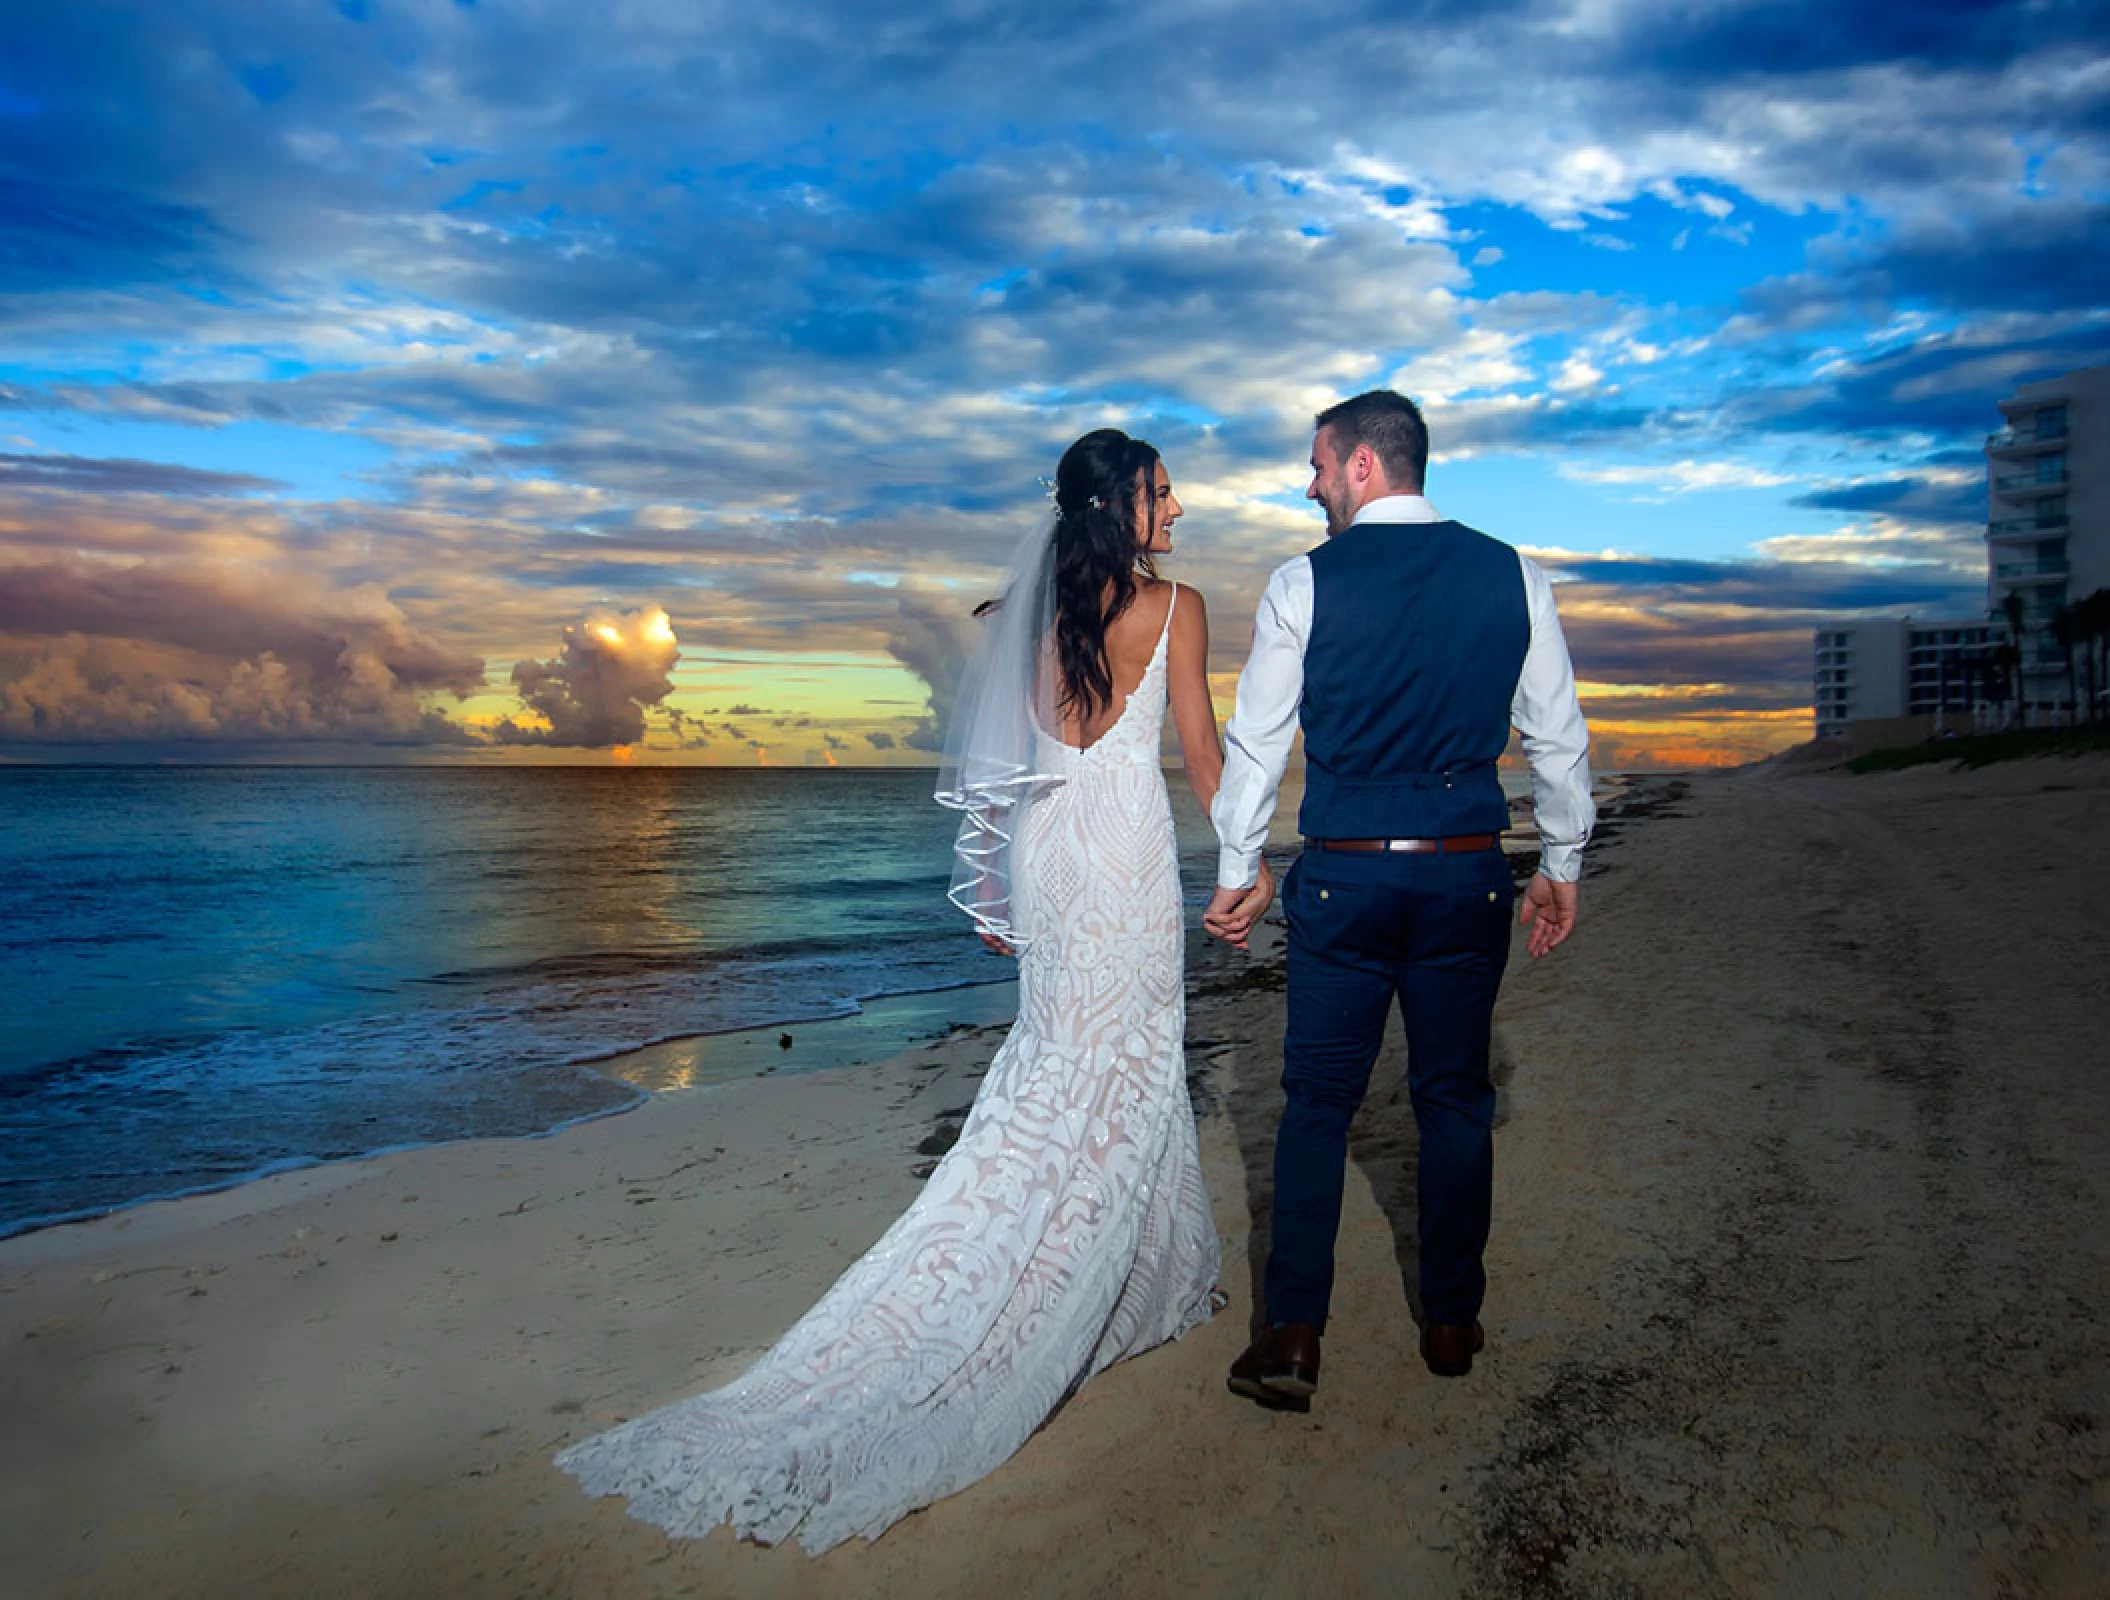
(207, 973)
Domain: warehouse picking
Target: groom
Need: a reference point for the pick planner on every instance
(1407, 646)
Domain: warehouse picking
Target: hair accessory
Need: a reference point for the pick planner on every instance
(1096, 503)
(1047, 485)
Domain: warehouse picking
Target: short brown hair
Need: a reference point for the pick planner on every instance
(1390, 424)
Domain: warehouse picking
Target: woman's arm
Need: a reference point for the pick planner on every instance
(1187, 672)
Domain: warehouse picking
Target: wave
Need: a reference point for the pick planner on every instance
(513, 1055)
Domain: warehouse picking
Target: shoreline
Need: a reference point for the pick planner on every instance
(897, 1021)
(876, 1029)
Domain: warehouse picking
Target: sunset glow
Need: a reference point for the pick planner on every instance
(385, 385)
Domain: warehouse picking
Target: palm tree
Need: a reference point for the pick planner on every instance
(2066, 633)
(2011, 604)
(2002, 676)
(2093, 613)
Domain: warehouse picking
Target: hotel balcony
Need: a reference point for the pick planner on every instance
(2021, 485)
(2024, 441)
(2027, 527)
(2015, 573)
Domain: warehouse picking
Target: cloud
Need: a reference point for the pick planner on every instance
(1677, 477)
(95, 650)
(92, 237)
(1712, 641)
(114, 476)
(636, 322)
(1806, 38)
(1938, 384)
(931, 638)
(1946, 495)
(596, 692)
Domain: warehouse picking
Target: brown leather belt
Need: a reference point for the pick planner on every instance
(1457, 844)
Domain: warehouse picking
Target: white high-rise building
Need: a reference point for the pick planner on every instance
(2047, 540)
(2048, 531)
(1886, 667)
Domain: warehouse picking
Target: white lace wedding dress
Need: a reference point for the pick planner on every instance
(1066, 1229)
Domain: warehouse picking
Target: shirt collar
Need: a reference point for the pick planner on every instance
(1397, 508)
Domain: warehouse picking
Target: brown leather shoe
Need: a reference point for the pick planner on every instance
(1449, 1347)
(1280, 1368)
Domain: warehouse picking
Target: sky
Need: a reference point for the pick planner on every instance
(662, 381)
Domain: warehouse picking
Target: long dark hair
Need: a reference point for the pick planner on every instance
(1098, 544)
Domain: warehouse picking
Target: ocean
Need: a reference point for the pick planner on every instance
(210, 973)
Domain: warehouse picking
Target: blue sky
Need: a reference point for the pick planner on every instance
(524, 380)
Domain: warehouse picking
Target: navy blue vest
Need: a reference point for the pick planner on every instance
(1418, 636)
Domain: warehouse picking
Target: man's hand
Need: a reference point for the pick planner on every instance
(1548, 909)
(998, 945)
(1232, 912)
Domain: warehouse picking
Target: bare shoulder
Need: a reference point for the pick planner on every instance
(1192, 615)
(1146, 612)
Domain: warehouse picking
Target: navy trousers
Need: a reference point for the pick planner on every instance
(1431, 932)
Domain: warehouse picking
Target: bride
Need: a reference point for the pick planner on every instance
(1068, 1227)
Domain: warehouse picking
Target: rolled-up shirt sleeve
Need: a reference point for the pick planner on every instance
(1263, 724)
(1556, 739)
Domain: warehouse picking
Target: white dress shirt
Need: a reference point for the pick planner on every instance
(1257, 739)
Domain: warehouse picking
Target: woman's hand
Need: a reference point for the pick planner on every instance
(1232, 912)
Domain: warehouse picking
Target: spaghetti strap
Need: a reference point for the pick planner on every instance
(1165, 632)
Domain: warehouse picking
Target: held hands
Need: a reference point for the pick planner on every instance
(1232, 912)
(1548, 909)
(998, 945)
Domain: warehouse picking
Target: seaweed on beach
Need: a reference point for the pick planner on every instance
(1203, 1055)
(1983, 750)
(1595, 1488)
(1256, 977)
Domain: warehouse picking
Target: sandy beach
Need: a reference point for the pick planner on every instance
(1800, 1284)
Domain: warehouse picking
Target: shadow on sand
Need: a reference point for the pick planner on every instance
(1383, 1141)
